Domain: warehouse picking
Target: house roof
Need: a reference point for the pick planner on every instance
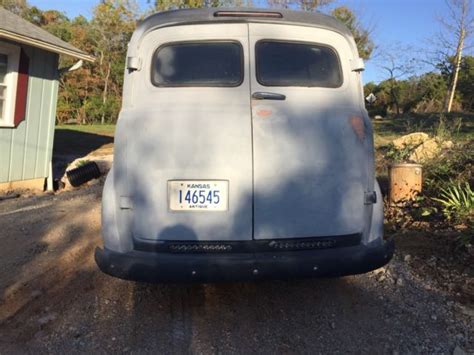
(14, 28)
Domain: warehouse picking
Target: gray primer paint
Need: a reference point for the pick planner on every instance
(154, 121)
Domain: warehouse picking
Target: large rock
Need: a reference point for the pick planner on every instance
(429, 149)
(447, 144)
(412, 139)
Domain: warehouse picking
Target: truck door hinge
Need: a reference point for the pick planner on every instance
(134, 63)
(370, 198)
(357, 64)
(126, 203)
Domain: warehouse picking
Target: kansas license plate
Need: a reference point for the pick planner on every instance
(198, 195)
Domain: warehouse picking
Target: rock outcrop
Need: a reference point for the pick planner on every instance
(412, 140)
(422, 147)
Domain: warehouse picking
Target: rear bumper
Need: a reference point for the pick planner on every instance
(169, 267)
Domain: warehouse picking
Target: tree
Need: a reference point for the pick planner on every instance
(78, 87)
(369, 88)
(304, 5)
(430, 92)
(361, 35)
(464, 89)
(56, 23)
(365, 45)
(464, 94)
(465, 84)
(24, 10)
(457, 26)
(421, 93)
(163, 5)
(18, 7)
(112, 26)
(397, 64)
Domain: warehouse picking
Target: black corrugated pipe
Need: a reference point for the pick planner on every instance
(83, 174)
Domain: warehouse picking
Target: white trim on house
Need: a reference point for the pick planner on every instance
(13, 54)
(43, 45)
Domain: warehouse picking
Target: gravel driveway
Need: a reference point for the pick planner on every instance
(54, 299)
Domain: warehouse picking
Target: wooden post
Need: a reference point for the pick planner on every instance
(49, 179)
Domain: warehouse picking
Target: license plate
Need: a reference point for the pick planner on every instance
(198, 195)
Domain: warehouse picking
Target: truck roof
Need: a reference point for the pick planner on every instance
(235, 15)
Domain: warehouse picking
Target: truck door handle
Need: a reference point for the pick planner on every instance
(267, 96)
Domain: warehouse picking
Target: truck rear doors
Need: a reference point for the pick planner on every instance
(260, 115)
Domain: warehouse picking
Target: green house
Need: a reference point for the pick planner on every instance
(29, 76)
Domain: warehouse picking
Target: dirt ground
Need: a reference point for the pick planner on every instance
(53, 299)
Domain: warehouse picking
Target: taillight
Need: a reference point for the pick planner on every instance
(358, 126)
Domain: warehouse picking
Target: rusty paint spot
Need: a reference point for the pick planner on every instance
(264, 113)
(357, 124)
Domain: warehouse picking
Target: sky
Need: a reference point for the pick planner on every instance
(394, 23)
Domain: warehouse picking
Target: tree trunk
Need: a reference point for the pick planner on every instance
(394, 95)
(104, 93)
(397, 107)
(457, 67)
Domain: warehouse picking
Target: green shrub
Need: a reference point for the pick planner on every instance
(398, 155)
(447, 129)
(457, 202)
(456, 164)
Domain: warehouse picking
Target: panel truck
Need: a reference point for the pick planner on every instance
(243, 151)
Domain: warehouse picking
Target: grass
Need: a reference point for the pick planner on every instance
(99, 129)
(81, 140)
(388, 129)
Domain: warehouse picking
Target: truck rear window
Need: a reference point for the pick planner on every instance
(297, 64)
(198, 64)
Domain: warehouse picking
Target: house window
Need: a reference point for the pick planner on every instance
(9, 61)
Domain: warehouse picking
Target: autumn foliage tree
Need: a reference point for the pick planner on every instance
(365, 45)
(112, 26)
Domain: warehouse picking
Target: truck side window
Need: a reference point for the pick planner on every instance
(198, 64)
(297, 64)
